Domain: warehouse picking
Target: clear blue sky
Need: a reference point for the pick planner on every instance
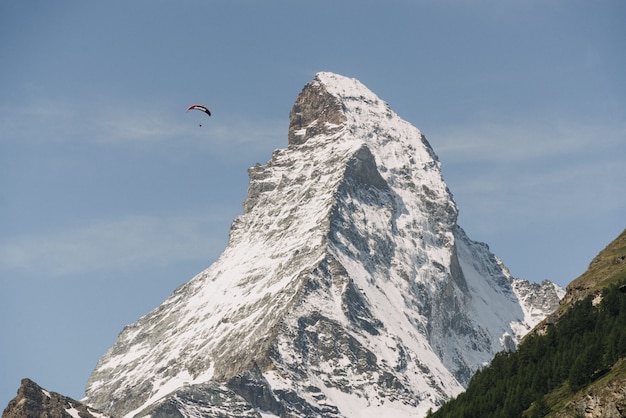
(111, 195)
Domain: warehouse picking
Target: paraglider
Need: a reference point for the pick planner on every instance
(200, 108)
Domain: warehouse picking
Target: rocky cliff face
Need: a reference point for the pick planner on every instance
(607, 401)
(347, 287)
(33, 401)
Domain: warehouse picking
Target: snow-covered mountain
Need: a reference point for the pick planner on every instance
(346, 289)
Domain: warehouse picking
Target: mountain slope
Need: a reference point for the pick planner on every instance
(605, 269)
(575, 366)
(346, 287)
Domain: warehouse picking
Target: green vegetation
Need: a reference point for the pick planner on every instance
(581, 348)
(585, 347)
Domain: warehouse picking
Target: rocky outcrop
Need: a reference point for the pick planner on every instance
(202, 400)
(598, 402)
(315, 112)
(33, 401)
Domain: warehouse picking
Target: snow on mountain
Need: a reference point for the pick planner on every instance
(346, 289)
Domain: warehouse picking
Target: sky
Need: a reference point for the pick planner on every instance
(111, 195)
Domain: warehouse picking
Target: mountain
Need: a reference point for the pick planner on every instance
(33, 401)
(571, 365)
(346, 289)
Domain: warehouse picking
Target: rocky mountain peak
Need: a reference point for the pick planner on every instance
(346, 285)
(315, 112)
(34, 401)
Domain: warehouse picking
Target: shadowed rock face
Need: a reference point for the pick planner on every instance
(32, 401)
(346, 285)
(315, 112)
(206, 400)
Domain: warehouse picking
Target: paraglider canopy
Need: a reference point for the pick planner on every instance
(199, 107)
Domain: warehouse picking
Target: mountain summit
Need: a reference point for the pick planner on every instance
(346, 288)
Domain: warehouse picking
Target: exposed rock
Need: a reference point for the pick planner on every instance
(202, 400)
(604, 402)
(315, 112)
(32, 401)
